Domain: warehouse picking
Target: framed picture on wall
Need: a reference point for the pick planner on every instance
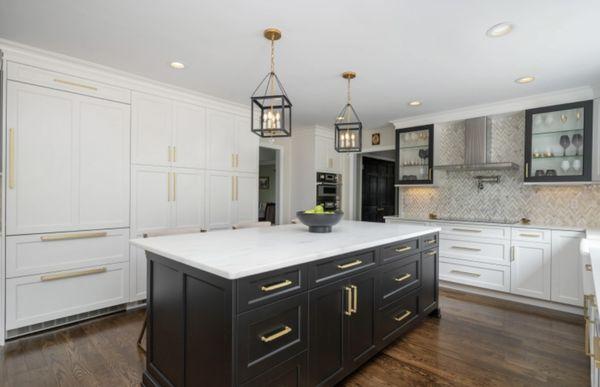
(375, 139)
(263, 182)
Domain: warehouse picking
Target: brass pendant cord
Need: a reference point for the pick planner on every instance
(271, 80)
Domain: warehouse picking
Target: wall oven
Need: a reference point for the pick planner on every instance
(329, 191)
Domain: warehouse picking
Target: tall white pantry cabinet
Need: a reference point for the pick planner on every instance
(90, 165)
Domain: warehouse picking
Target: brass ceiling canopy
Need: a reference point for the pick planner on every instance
(348, 75)
(272, 34)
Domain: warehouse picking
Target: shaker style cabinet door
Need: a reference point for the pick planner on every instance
(151, 129)
(246, 198)
(152, 198)
(247, 147)
(530, 270)
(188, 198)
(189, 136)
(566, 267)
(219, 199)
(221, 140)
(360, 336)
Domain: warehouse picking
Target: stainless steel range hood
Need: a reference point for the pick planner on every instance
(477, 150)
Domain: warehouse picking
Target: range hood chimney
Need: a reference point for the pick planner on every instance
(477, 150)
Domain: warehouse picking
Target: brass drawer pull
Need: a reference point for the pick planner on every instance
(270, 288)
(275, 336)
(354, 307)
(467, 273)
(465, 248)
(431, 241)
(350, 264)
(403, 316)
(466, 230)
(58, 276)
(528, 235)
(588, 267)
(596, 350)
(587, 339)
(348, 310)
(404, 277)
(80, 235)
(402, 249)
(432, 253)
(69, 83)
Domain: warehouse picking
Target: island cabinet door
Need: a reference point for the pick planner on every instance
(429, 281)
(360, 332)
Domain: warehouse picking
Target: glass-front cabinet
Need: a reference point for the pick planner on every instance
(414, 155)
(558, 143)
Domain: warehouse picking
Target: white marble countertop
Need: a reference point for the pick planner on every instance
(519, 225)
(240, 253)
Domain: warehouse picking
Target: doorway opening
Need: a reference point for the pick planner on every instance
(269, 184)
(378, 191)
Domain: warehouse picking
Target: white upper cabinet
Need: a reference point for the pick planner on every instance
(327, 158)
(189, 143)
(221, 140)
(151, 130)
(68, 161)
(247, 147)
(566, 267)
(530, 270)
(151, 194)
(188, 198)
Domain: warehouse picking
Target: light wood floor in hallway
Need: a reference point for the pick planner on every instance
(477, 342)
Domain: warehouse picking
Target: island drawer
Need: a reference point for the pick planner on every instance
(399, 278)
(292, 373)
(429, 241)
(393, 319)
(270, 335)
(331, 269)
(260, 289)
(398, 250)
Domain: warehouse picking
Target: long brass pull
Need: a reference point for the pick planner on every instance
(467, 273)
(350, 264)
(348, 310)
(526, 169)
(237, 160)
(402, 249)
(275, 336)
(11, 158)
(174, 154)
(232, 188)
(596, 350)
(354, 308)
(530, 235)
(70, 83)
(237, 188)
(432, 253)
(232, 160)
(80, 235)
(270, 288)
(174, 186)
(53, 277)
(465, 248)
(466, 230)
(404, 277)
(403, 316)
(587, 339)
(168, 186)
(430, 241)
(430, 173)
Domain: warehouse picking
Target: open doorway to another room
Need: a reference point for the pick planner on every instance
(378, 191)
(269, 183)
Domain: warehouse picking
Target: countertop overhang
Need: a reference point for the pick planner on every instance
(234, 254)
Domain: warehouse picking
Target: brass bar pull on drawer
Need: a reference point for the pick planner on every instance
(11, 158)
(75, 84)
(402, 249)
(430, 242)
(81, 235)
(403, 316)
(350, 264)
(467, 273)
(466, 230)
(275, 336)
(354, 307)
(58, 276)
(587, 339)
(596, 351)
(465, 248)
(432, 253)
(270, 288)
(530, 235)
(404, 277)
(348, 310)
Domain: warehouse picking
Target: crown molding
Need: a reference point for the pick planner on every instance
(32, 56)
(500, 107)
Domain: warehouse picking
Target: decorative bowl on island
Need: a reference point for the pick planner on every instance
(320, 222)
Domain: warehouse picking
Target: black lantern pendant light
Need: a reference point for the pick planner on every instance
(270, 106)
(348, 128)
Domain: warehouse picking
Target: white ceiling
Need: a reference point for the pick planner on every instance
(435, 51)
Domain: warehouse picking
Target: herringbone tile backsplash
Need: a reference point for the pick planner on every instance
(456, 193)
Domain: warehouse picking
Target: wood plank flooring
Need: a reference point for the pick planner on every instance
(477, 342)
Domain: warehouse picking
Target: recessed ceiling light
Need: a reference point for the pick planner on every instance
(177, 65)
(414, 103)
(499, 30)
(527, 79)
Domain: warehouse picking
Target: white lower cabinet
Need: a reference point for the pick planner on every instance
(530, 269)
(566, 267)
(481, 275)
(38, 298)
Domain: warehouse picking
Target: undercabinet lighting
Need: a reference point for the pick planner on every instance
(177, 65)
(523, 80)
(499, 30)
(414, 103)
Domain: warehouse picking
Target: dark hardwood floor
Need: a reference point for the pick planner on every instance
(478, 342)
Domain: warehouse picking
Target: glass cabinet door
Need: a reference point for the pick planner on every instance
(558, 143)
(414, 155)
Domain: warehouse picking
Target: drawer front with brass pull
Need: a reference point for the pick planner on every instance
(474, 231)
(270, 335)
(392, 320)
(339, 267)
(257, 290)
(483, 250)
(482, 275)
(531, 235)
(396, 251)
(429, 241)
(399, 278)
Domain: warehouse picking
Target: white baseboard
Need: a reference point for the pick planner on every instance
(514, 298)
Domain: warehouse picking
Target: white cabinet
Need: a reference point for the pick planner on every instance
(230, 199)
(231, 144)
(566, 267)
(187, 198)
(247, 147)
(327, 158)
(246, 198)
(189, 136)
(68, 161)
(530, 270)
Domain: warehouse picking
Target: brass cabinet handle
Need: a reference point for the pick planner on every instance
(466, 230)
(526, 169)
(354, 307)
(588, 267)
(596, 350)
(174, 154)
(432, 253)
(465, 248)
(430, 174)
(350, 264)
(403, 316)
(168, 186)
(404, 277)
(587, 339)
(403, 248)
(275, 336)
(270, 288)
(79, 235)
(237, 188)
(467, 273)
(53, 277)
(430, 241)
(174, 186)
(70, 83)
(11, 158)
(237, 160)
(530, 235)
(348, 310)
(232, 160)
(232, 188)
